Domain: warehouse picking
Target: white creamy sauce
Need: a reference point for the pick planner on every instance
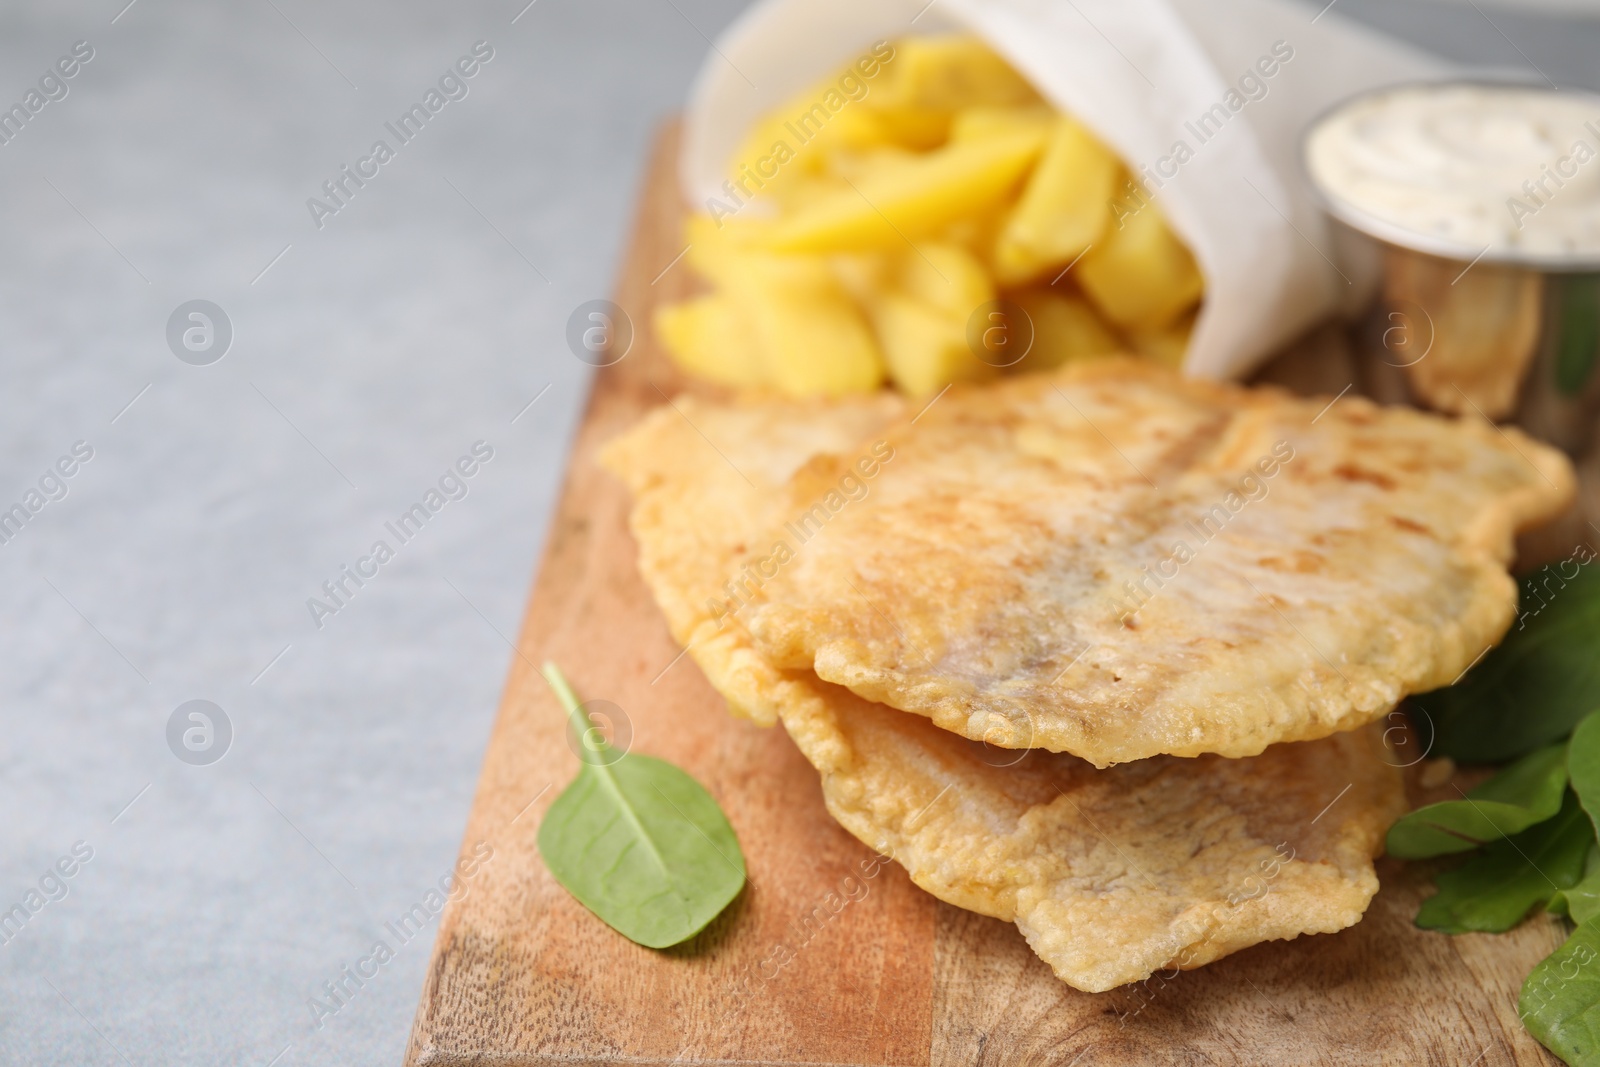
(1467, 168)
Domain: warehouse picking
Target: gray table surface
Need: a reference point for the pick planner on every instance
(366, 359)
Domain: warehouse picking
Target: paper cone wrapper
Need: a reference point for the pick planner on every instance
(1177, 88)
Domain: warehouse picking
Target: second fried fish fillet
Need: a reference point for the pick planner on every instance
(1119, 563)
(1110, 874)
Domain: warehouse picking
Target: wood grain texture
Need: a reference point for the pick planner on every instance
(522, 974)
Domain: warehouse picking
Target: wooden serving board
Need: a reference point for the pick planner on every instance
(522, 974)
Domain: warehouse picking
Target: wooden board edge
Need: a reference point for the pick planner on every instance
(605, 383)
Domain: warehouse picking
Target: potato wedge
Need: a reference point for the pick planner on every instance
(1064, 208)
(866, 276)
(1066, 328)
(976, 233)
(947, 278)
(948, 71)
(924, 348)
(800, 136)
(858, 167)
(716, 251)
(812, 338)
(807, 190)
(971, 123)
(710, 337)
(902, 201)
(1139, 274)
(1167, 345)
(803, 138)
(916, 128)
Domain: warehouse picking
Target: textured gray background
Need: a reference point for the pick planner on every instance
(368, 358)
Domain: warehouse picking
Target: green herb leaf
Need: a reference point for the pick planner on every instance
(1577, 330)
(1560, 1001)
(1527, 792)
(637, 841)
(1495, 889)
(1582, 902)
(1543, 678)
(1583, 764)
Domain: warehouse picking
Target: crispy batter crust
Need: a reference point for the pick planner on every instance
(1111, 875)
(1120, 563)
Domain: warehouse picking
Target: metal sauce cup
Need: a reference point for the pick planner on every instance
(1497, 331)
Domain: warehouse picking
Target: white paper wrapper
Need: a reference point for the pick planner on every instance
(1140, 74)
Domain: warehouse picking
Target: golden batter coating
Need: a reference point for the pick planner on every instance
(1111, 875)
(1119, 563)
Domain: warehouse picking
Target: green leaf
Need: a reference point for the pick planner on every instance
(1583, 764)
(1577, 337)
(1560, 1001)
(1543, 678)
(1582, 902)
(1527, 792)
(637, 841)
(1495, 889)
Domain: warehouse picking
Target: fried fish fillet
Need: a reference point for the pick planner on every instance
(706, 481)
(1119, 563)
(1111, 875)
